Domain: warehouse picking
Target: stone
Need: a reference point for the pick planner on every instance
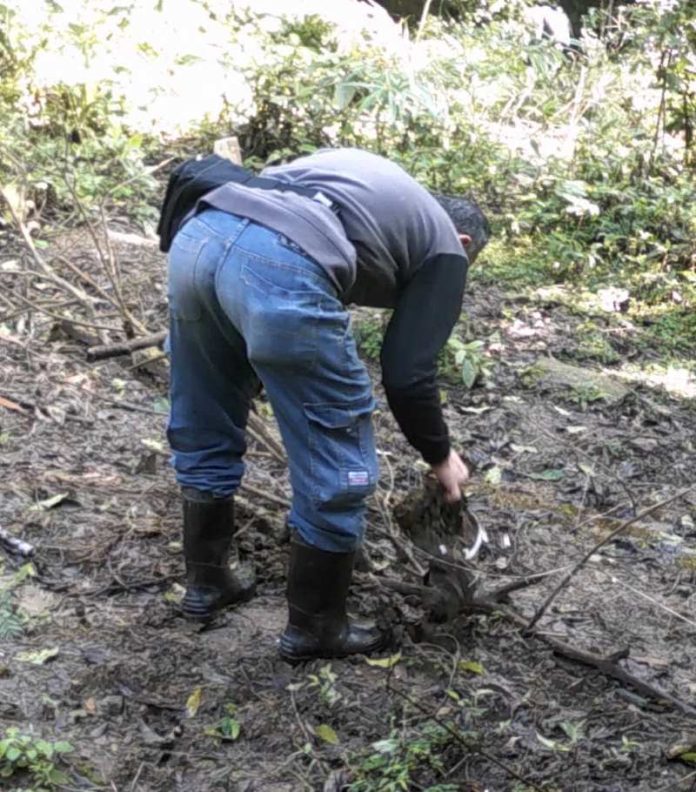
(551, 372)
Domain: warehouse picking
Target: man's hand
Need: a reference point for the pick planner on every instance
(452, 475)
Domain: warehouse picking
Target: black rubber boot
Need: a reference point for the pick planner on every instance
(318, 625)
(210, 583)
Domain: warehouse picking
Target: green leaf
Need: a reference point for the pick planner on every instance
(24, 572)
(573, 730)
(472, 666)
(193, 702)
(384, 662)
(547, 475)
(550, 744)
(235, 729)
(386, 746)
(688, 757)
(57, 777)
(45, 748)
(12, 754)
(230, 728)
(469, 373)
(343, 95)
(326, 733)
(63, 747)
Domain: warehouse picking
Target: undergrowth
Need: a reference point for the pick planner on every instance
(582, 159)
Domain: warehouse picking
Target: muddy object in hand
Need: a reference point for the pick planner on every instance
(448, 534)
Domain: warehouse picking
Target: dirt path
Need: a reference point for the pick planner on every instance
(143, 696)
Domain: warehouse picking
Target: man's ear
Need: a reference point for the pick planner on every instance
(465, 239)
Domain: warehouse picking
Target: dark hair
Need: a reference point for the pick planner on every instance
(468, 218)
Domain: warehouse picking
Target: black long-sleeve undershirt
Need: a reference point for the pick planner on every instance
(426, 312)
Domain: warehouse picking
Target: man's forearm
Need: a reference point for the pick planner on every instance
(419, 415)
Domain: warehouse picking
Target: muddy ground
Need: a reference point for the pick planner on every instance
(474, 703)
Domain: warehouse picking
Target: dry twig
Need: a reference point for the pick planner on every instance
(262, 434)
(125, 347)
(39, 259)
(606, 665)
(568, 577)
(107, 260)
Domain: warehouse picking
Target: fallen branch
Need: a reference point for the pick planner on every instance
(486, 602)
(108, 261)
(14, 545)
(605, 665)
(498, 594)
(119, 586)
(489, 603)
(564, 582)
(277, 500)
(125, 347)
(609, 667)
(262, 434)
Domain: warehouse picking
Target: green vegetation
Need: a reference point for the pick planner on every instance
(228, 728)
(11, 623)
(392, 764)
(465, 362)
(369, 333)
(25, 756)
(582, 159)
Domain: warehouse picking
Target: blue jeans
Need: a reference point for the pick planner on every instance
(247, 306)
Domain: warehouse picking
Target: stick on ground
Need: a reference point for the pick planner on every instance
(564, 582)
(125, 347)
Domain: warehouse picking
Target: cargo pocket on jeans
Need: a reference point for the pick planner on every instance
(343, 460)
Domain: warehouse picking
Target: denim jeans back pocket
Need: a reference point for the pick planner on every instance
(278, 278)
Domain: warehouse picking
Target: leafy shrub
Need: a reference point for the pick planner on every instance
(397, 761)
(27, 755)
(581, 160)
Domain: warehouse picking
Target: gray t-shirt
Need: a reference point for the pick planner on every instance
(387, 225)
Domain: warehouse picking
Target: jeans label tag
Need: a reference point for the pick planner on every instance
(358, 478)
